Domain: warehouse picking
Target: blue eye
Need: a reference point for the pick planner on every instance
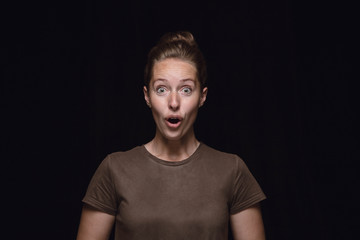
(160, 90)
(186, 90)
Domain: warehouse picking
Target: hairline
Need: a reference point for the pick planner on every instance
(176, 58)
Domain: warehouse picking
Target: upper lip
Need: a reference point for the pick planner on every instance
(174, 117)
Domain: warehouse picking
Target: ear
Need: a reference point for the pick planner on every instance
(146, 96)
(203, 96)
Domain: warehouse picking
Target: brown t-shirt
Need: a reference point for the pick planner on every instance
(156, 199)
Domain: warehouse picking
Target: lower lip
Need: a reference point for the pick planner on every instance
(173, 125)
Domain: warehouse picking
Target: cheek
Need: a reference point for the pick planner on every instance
(192, 108)
(156, 107)
(155, 111)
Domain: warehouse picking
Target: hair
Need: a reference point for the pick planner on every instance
(180, 45)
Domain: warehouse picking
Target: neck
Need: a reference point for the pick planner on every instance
(173, 150)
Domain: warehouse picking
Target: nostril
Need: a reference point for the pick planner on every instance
(174, 105)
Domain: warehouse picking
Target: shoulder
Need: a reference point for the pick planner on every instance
(223, 159)
(219, 155)
(136, 151)
(123, 158)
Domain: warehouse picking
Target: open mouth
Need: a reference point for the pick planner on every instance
(173, 120)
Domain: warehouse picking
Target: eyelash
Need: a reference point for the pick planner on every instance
(161, 90)
(158, 89)
(187, 88)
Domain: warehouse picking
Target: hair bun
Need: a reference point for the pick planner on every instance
(179, 45)
(180, 36)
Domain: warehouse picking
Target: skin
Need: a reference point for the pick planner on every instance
(248, 224)
(94, 224)
(174, 91)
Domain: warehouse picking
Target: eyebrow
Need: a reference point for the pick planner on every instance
(182, 80)
(187, 79)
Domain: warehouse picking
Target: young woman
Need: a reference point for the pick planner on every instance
(173, 187)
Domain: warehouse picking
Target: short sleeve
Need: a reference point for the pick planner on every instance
(101, 193)
(246, 190)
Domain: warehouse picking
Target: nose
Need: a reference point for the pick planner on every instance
(174, 101)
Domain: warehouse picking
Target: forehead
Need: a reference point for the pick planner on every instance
(172, 68)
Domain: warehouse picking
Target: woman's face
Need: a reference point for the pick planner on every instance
(174, 96)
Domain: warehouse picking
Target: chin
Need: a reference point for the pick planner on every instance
(173, 136)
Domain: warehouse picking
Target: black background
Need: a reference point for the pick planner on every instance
(281, 96)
